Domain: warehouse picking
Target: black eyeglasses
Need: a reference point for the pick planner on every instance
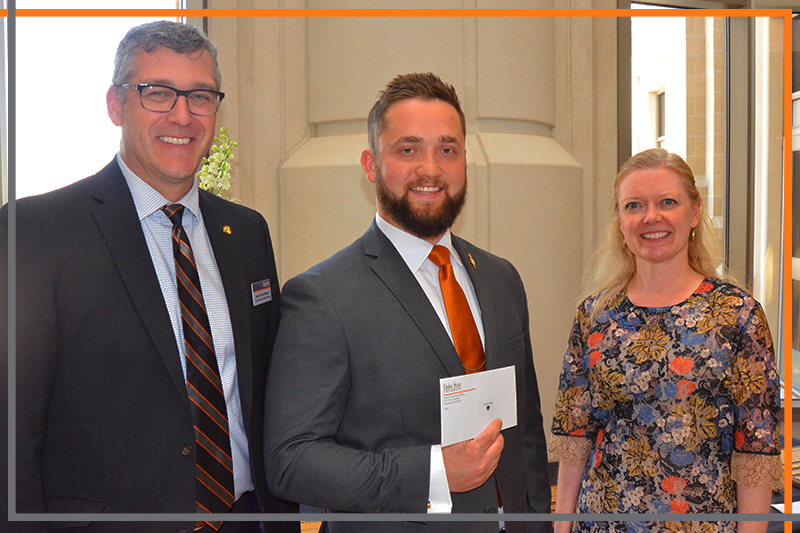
(162, 98)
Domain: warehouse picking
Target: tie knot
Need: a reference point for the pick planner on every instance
(174, 212)
(440, 255)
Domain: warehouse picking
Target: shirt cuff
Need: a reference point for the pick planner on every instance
(439, 491)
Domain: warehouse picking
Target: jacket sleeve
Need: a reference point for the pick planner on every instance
(35, 358)
(306, 399)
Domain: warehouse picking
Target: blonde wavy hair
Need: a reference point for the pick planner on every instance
(613, 264)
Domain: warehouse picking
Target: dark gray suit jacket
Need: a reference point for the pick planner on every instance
(354, 389)
(103, 416)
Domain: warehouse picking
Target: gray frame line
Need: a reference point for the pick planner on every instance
(405, 517)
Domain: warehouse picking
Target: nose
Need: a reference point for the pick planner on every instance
(428, 165)
(652, 215)
(179, 114)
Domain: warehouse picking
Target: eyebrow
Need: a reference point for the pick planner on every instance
(409, 139)
(169, 83)
(413, 139)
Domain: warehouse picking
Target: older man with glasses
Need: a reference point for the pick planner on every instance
(147, 311)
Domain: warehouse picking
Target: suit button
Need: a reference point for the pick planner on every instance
(396, 510)
(406, 510)
(490, 510)
(181, 531)
(186, 450)
(378, 510)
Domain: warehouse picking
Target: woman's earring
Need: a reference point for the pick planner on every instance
(691, 235)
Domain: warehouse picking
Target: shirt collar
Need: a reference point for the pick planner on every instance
(412, 249)
(148, 200)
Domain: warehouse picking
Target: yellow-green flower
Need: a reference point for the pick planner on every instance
(571, 409)
(747, 378)
(639, 458)
(650, 343)
(721, 311)
(215, 176)
(703, 425)
(610, 388)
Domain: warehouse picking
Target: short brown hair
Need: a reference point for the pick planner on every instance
(424, 86)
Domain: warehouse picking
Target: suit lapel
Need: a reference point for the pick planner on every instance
(115, 215)
(482, 283)
(230, 264)
(389, 266)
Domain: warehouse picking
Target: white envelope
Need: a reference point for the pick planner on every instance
(470, 402)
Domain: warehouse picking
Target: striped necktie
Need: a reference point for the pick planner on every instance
(466, 338)
(214, 488)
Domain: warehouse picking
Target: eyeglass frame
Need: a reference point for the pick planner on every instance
(178, 93)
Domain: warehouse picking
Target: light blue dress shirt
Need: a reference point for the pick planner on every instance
(157, 230)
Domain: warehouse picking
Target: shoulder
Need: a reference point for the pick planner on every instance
(227, 208)
(349, 268)
(725, 305)
(345, 263)
(472, 256)
(722, 293)
(62, 206)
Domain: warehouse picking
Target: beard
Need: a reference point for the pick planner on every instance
(427, 222)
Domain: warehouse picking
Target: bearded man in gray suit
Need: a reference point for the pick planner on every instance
(353, 387)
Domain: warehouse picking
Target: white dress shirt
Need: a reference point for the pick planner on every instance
(157, 229)
(414, 252)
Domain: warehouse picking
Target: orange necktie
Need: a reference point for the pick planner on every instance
(466, 338)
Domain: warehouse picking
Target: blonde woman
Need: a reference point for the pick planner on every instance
(667, 399)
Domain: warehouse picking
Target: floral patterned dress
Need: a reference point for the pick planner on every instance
(665, 395)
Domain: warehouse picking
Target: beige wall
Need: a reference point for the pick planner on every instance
(539, 96)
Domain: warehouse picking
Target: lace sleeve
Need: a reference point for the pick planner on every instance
(570, 450)
(753, 470)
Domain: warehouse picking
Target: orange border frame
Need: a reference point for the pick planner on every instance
(785, 14)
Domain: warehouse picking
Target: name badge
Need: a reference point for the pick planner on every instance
(262, 292)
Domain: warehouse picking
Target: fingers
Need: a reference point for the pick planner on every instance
(493, 451)
(489, 434)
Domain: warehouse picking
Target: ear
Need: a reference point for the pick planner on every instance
(114, 106)
(696, 215)
(368, 164)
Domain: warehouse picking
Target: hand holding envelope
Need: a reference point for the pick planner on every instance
(469, 402)
(468, 464)
(471, 448)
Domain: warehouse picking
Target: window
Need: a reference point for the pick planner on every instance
(63, 132)
(661, 130)
(685, 56)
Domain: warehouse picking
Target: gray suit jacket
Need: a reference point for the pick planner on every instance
(354, 389)
(103, 415)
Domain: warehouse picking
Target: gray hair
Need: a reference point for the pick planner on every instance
(180, 38)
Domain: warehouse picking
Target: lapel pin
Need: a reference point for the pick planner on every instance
(227, 229)
(471, 260)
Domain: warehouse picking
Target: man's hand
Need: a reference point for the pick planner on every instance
(469, 464)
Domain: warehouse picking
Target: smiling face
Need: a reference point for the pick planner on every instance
(164, 149)
(420, 173)
(656, 216)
